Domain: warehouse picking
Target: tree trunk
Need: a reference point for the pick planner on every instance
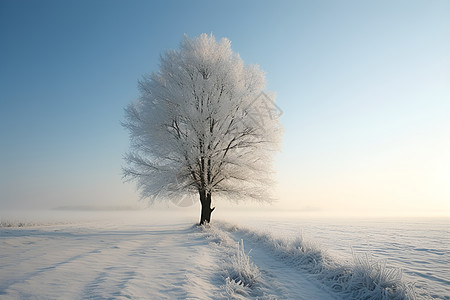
(205, 200)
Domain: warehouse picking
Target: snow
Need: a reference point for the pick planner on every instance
(102, 260)
(287, 282)
(138, 255)
(419, 247)
(164, 255)
(364, 279)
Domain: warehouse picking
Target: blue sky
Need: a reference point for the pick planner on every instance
(364, 87)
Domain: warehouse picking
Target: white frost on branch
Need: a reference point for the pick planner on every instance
(192, 128)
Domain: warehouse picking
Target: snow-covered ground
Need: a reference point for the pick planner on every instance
(163, 255)
(136, 255)
(419, 247)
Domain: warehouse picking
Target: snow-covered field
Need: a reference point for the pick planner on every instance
(161, 254)
(419, 247)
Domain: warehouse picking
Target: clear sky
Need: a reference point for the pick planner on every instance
(364, 87)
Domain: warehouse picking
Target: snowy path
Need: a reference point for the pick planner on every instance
(291, 282)
(149, 259)
(279, 279)
(156, 262)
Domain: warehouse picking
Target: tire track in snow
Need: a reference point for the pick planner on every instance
(10, 283)
(129, 272)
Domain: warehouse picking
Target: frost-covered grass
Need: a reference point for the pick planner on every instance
(372, 279)
(12, 223)
(240, 276)
(21, 223)
(364, 278)
(243, 271)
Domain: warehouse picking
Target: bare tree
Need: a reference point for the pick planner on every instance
(201, 126)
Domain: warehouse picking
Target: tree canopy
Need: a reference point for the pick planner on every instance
(203, 125)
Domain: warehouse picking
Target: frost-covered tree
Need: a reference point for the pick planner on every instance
(201, 126)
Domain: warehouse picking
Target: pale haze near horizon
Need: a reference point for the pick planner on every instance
(364, 89)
